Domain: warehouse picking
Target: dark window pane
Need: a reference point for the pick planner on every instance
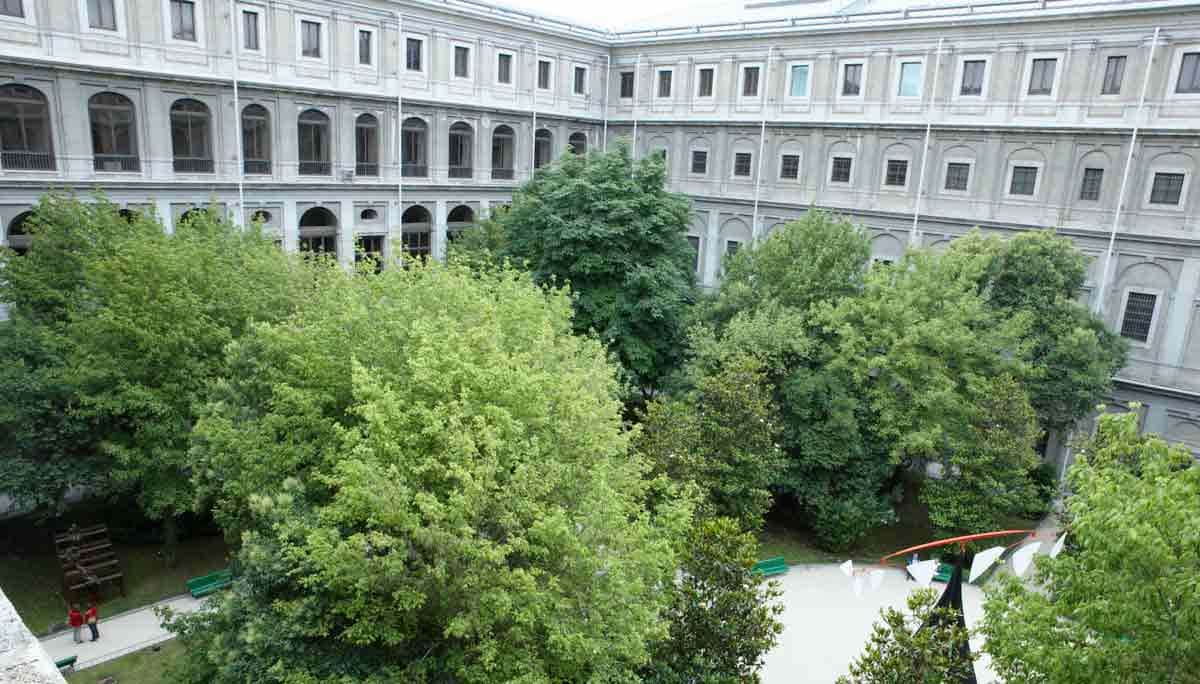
(664, 83)
(503, 68)
(750, 81)
(705, 88)
(1139, 316)
(412, 54)
(364, 48)
(694, 242)
(1090, 189)
(789, 166)
(852, 79)
(543, 75)
(840, 173)
(310, 32)
(957, 176)
(12, 8)
(114, 135)
(700, 161)
(626, 84)
(462, 61)
(741, 164)
(183, 20)
(1041, 78)
(250, 30)
(102, 15)
(1024, 180)
(580, 81)
(897, 172)
(1189, 73)
(1114, 75)
(972, 79)
(1167, 189)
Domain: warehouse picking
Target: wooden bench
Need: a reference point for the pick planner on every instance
(771, 567)
(66, 665)
(210, 583)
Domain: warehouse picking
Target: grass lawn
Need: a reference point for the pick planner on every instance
(144, 667)
(34, 581)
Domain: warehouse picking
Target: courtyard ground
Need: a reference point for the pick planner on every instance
(120, 635)
(144, 667)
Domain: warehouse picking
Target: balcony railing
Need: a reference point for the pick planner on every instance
(316, 168)
(193, 165)
(27, 161)
(257, 166)
(502, 174)
(461, 171)
(366, 169)
(414, 170)
(117, 162)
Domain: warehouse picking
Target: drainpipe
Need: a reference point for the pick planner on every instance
(1137, 121)
(237, 115)
(762, 145)
(637, 74)
(914, 236)
(607, 80)
(401, 65)
(533, 87)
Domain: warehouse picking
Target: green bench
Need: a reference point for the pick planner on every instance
(210, 583)
(944, 572)
(771, 566)
(66, 665)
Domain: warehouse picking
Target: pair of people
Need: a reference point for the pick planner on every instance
(90, 617)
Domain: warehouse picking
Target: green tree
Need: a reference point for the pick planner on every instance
(606, 225)
(904, 649)
(723, 616)
(1122, 603)
(432, 482)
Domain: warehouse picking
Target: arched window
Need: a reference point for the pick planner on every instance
(366, 146)
(502, 153)
(415, 232)
(543, 148)
(461, 140)
(256, 139)
(414, 145)
(313, 138)
(18, 235)
(25, 129)
(318, 231)
(578, 143)
(459, 219)
(191, 141)
(114, 133)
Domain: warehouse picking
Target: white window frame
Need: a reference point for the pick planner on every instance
(742, 79)
(1103, 71)
(800, 162)
(884, 187)
(454, 45)
(168, 29)
(658, 70)
(1103, 180)
(696, 88)
(788, 81)
(298, 27)
(1120, 322)
(958, 77)
(841, 79)
(853, 170)
(512, 73)
(946, 172)
(424, 54)
(707, 160)
(1037, 183)
(85, 25)
(896, 74)
(261, 11)
(30, 18)
(1173, 74)
(374, 65)
(587, 79)
(733, 165)
(1059, 58)
(1183, 192)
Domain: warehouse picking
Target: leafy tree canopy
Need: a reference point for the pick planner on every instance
(906, 649)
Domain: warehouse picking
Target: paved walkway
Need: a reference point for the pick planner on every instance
(119, 635)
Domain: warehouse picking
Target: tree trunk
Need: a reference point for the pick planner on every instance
(170, 540)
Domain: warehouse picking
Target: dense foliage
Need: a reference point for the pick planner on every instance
(908, 649)
(1122, 603)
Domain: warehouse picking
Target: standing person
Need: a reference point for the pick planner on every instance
(92, 617)
(75, 619)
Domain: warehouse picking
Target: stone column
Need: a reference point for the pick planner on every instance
(345, 235)
(438, 246)
(712, 249)
(163, 209)
(290, 226)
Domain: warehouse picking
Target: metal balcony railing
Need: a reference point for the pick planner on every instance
(193, 165)
(257, 166)
(414, 170)
(461, 171)
(366, 169)
(27, 161)
(116, 162)
(316, 168)
(502, 174)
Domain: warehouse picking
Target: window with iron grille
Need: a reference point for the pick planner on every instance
(1167, 188)
(705, 87)
(580, 80)
(1041, 76)
(504, 68)
(365, 56)
(750, 81)
(412, 54)
(250, 30)
(256, 139)
(852, 79)
(972, 77)
(543, 73)
(310, 39)
(366, 146)
(741, 164)
(732, 247)
(1139, 316)
(957, 176)
(1114, 75)
(102, 15)
(313, 142)
(114, 133)
(183, 20)
(12, 8)
(190, 140)
(700, 161)
(462, 61)
(1024, 180)
(1189, 73)
(664, 83)
(626, 84)
(840, 171)
(1090, 189)
(897, 172)
(789, 166)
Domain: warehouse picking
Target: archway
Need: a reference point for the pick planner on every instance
(318, 231)
(416, 223)
(459, 219)
(18, 234)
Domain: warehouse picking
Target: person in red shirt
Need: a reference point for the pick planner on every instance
(75, 619)
(92, 617)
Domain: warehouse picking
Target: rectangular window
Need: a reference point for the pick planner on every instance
(626, 84)
(840, 171)
(910, 79)
(504, 68)
(1189, 73)
(731, 247)
(957, 176)
(462, 61)
(798, 83)
(1114, 75)
(12, 8)
(1024, 180)
(750, 81)
(543, 74)
(700, 161)
(250, 30)
(102, 15)
(412, 54)
(897, 172)
(664, 83)
(310, 36)
(694, 242)
(972, 77)
(705, 86)
(1090, 189)
(741, 164)
(789, 166)
(365, 57)
(852, 79)
(580, 80)
(183, 20)
(1139, 316)
(1041, 76)
(1167, 188)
